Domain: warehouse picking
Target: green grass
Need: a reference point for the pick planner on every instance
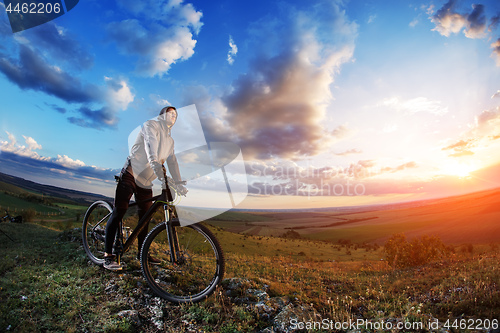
(368, 233)
(48, 285)
(15, 204)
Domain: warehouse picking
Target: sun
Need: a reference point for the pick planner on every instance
(458, 169)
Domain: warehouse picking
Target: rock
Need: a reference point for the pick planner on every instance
(286, 321)
(132, 315)
(111, 288)
(156, 312)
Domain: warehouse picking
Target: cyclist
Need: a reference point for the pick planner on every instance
(153, 146)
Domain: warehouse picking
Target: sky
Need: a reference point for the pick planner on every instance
(333, 103)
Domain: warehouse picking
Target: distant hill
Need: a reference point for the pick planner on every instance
(470, 218)
(53, 191)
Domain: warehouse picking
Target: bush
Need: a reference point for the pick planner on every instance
(291, 234)
(400, 253)
(28, 215)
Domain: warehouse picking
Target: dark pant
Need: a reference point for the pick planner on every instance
(124, 190)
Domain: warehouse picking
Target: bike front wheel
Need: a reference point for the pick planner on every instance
(94, 230)
(193, 273)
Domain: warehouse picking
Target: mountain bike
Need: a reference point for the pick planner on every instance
(12, 219)
(191, 258)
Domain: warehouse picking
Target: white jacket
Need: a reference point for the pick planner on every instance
(153, 146)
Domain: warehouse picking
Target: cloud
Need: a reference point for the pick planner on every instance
(349, 152)
(461, 148)
(55, 42)
(458, 145)
(341, 132)
(288, 178)
(278, 107)
(68, 162)
(118, 95)
(27, 150)
(97, 119)
(233, 50)
(447, 20)
(32, 144)
(475, 24)
(23, 159)
(415, 105)
(56, 107)
(31, 71)
(496, 51)
(487, 117)
(29, 66)
(165, 37)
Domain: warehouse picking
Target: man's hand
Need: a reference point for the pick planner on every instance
(177, 186)
(182, 190)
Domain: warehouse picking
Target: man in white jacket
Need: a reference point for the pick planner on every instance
(152, 148)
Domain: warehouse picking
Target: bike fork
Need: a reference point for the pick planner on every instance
(172, 236)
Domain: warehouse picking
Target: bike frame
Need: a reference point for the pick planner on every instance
(164, 200)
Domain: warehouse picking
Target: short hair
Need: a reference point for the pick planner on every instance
(165, 109)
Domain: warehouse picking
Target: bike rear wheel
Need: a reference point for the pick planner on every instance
(94, 230)
(195, 274)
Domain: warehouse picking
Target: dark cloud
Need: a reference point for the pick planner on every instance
(474, 24)
(57, 44)
(27, 61)
(58, 108)
(29, 165)
(277, 108)
(494, 22)
(98, 119)
(31, 71)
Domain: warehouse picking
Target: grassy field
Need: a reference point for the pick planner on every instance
(35, 206)
(329, 265)
(472, 218)
(48, 285)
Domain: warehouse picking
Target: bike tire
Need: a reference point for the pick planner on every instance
(198, 270)
(94, 230)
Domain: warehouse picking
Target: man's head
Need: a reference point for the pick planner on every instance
(167, 109)
(169, 114)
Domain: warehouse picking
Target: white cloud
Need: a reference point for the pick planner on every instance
(415, 105)
(165, 37)
(12, 146)
(118, 95)
(233, 50)
(32, 144)
(68, 162)
(389, 128)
